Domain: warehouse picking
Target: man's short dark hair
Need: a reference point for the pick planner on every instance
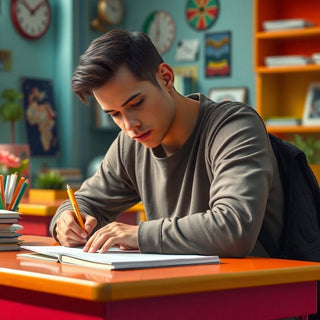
(108, 53)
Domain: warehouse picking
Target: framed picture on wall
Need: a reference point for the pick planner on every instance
(239, 94)
(40, 116)
(218, 54)
(311, 115)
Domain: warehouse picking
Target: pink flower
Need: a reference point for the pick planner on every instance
(9, 160)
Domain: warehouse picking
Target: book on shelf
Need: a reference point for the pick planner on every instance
(279, 61)
(316, 58)
(283, 121)
(114, 258)
(286, 24)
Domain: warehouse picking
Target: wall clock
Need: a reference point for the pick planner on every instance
(31, 18)
(110, 12)
(201, 14)
(160, 27)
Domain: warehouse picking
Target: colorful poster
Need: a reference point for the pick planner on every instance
(218, 54)
(40, 116)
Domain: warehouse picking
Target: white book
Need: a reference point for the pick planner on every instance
(5, 214)
(316, 57)
(282, 121)
(287, 60)
(115, 258)
(283, 24)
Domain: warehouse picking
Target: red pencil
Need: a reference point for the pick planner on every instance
(2, 191)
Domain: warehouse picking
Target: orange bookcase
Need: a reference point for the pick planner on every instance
(281, 91)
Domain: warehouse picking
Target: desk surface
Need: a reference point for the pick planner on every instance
(100, 285)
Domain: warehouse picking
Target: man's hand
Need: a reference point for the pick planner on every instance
(69, 232)
(113, 234)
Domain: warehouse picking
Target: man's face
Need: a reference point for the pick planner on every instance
(142, 110)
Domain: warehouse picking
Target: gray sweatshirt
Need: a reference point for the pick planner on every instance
(210, 197)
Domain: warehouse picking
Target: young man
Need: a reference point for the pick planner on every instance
(205, 171)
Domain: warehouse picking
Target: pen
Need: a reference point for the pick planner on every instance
(75, 206)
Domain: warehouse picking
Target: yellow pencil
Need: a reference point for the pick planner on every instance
(75, 206)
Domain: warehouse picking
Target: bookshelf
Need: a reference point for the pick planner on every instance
(281, 91)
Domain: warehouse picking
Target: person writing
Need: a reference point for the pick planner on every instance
(205, 171)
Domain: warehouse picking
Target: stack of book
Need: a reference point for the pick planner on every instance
(9, 227)
(11, 192)
(286, 24)
(292, 60)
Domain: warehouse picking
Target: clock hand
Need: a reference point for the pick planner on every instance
(26, 4)
(37, 7)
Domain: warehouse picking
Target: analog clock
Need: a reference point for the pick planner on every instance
(110, 11)
(31, 18)
(160, 27)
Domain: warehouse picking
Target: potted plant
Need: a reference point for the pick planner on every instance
(49, 185)
(311, 147)
(11, 110)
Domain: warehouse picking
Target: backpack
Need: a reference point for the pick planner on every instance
(300, 239)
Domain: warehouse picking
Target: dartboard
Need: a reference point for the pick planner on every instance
(201, 14)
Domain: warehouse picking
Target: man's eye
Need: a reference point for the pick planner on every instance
(137, 104)
(114, 114)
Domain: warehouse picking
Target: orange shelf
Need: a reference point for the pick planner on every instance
(282, 91)
(286, 69)
(293, 129)
(294, 33)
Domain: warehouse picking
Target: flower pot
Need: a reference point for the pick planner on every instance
(46, 195)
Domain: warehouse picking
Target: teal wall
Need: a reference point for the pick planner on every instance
(55, 56)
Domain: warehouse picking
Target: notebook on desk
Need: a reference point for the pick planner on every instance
(114, 259)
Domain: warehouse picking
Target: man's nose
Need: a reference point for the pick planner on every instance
(130, 122)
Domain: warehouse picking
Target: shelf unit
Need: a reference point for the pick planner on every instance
(281, 91)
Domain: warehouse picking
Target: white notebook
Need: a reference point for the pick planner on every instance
(114, 258)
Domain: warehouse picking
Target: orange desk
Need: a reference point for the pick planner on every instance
(251, 288)
(36, 217)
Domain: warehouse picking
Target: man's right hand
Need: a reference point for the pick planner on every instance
(69, 232)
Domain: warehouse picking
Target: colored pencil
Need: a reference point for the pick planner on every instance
(16, 193)
(75, 206)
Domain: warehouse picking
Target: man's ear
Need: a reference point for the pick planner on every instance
(166, 75)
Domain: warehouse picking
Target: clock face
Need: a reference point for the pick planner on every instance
(202, 14)
(111, 11)
(31, 18)
(160, 27)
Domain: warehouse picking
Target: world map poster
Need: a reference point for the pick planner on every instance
(40, 116)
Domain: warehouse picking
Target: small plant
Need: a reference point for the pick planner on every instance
(11, 110)
(310, 146)
(50, 180)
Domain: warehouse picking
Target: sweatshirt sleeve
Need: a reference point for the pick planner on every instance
(241, 164)
(106, 194)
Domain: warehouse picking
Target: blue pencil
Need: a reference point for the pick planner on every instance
(20, 195)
